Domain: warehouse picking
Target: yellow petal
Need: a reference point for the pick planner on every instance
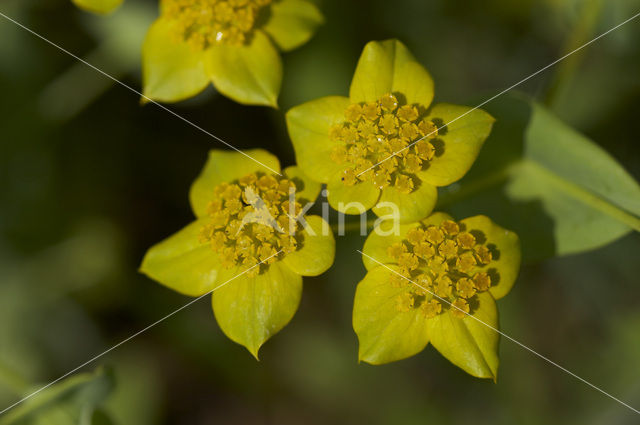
(505, 249)
(292, 22)
(317, 252)
(458, 144)
(250, 74)
(408, 206)
(388, 67)
(226, 166)
(354, 199)
(182, 263)
(309, 126)
(379, 240)
(385, 333)
(250, 310)
(307, 190)
(171, 70)
(101, 7)
(466, 342)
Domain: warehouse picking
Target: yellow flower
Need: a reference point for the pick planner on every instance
(478, 263)
(386, 142)
(101, 7)
(230, 43)
(250, 245)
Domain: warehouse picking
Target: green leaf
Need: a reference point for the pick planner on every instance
(559, 191)
(183, 263)
(388, 67)
(248, 74)
(171, 70)
(385, 333)
(226, 166)
(410, 206)
(250, 310)
(458, 144)
(505, 248)
(292, 22)
(307, 190)
(317, 252)
(469, 343)
(71, 401)
(354, 199)
(308, 126)
(101, 7)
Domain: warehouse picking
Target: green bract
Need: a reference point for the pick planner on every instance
(98, 6)
(435, 281)
(246, 245)
(233, 45)
(386, 143)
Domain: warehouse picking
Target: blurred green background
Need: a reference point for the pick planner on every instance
(89, 180)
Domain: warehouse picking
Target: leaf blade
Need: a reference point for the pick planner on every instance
(516, 181)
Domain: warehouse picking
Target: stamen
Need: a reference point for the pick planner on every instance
(252, 220)
(447, 266)
(205, 23)
(374, 131)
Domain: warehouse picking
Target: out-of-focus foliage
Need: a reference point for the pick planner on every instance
(119, 47)
(73, 401)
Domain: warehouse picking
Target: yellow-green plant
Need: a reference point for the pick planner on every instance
(430, 279)
(435, 281)
(101, 7)
(230, 43)
(249, 245)
(386, 142)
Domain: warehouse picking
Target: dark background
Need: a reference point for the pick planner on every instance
(89, 179)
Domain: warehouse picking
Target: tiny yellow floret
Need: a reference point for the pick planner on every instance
(446, 265)
(206, 23)
(379, 143)
(253, 220)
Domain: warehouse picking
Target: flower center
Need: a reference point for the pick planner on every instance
(205, 23)
(375, 135)
(253, 220)
(446, 260)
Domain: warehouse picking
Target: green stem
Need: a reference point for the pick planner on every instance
(477, 185)
(581, 34)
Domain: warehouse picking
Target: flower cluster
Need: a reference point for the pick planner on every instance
(204, 23)
(448, 264)
(232, 44)
(253, 221)
(249, 246)
(429, 284)
(385, 142)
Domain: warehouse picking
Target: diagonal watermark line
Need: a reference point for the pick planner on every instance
(133, 336)
(208, 133)
(505, 90)
(505, 335)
